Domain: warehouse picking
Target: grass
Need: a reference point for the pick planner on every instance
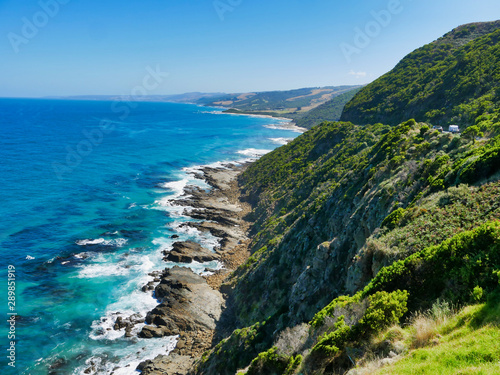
(465, 351)
(465, 343)
(425, 331)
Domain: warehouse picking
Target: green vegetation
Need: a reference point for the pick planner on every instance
(339, 175)
(453, 80)
(329, 111)
(384, 309)
(268, 362)
(439, 217)
(465, 343)
(472, 132)
(385, 238)
(237, 350)
(463, 269)
(451, 270)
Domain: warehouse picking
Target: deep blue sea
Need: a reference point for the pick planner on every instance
(85, 213)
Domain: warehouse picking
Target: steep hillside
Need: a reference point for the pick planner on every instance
(359, 229)
(453, 80)
(335, 206)
(329, 111)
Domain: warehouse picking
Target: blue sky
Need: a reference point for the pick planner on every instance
(76, 47)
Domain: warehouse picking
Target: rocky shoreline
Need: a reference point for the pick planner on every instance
(191, 305)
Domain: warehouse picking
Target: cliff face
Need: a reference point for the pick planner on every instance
(335, 206)
(450, 81)
(342, 201)
(318, 199)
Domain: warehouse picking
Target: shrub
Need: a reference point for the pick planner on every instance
(337, 303)
(450, 269)
(269, 362)
(440, 311)
(393, 219)
(424, 129)
(384, 310)
(477, 293)
(293, 364)
(483, 167)
(472, 132)
(331, 343)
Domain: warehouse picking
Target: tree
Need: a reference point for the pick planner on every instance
(472, 132)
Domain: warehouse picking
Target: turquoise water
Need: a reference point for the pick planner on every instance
(86, 210)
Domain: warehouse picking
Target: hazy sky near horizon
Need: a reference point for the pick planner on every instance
(91, 47)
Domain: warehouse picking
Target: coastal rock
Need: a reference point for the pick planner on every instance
(119, 324)
(225, 217)
(189, 251)
(128, 323)
(149, 286)
(150, 331)
(191, 305)
(229, 235)
(172, 364)
(187, 304)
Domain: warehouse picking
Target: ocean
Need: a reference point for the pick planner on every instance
(86, 189)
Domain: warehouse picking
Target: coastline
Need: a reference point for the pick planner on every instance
(127, 217)
(191, 305)
(288, 123)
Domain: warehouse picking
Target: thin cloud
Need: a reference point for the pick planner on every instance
(357, 74)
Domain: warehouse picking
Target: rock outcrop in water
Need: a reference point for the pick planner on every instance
(189, 251)
(188, 304)
(191, 305)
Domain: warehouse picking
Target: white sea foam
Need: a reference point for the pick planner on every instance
(163, 243)
(253, 152)
(133, 302)
(199, 168)
(172, 207)
(177, 187)
(106, 266)
(209, 241)
(169, 203)
(286, 126)
(197, 267)
(118, 242)
(212, 112)
(98, 241)
(281, 141)
(102, 270)
(129, 357)
(189, 231)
